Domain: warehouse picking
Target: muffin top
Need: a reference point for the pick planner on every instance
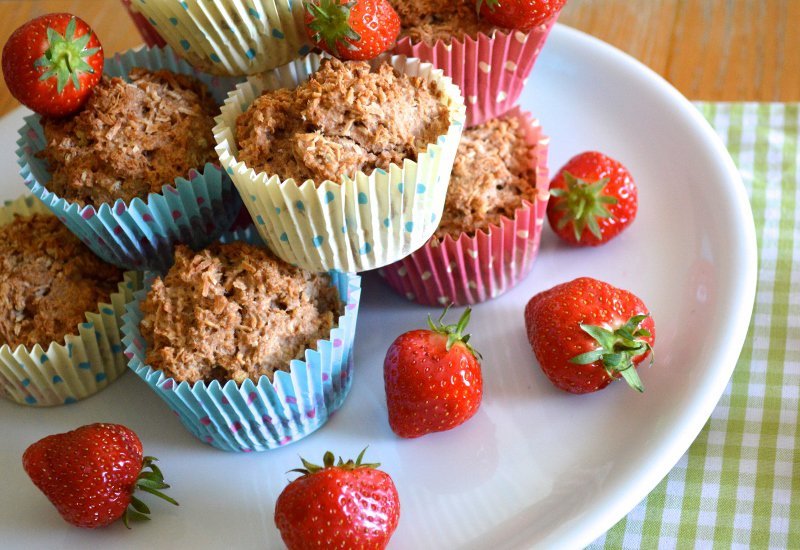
(492, 175)
(432, 20)
(345, 118)
(232, 312)
(48, 280)
(131, 138)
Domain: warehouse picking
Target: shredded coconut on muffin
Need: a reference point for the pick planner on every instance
(432, 20)
(131, 138)
(233, 312)
(492, 175)
(345, 118)
(48, 280)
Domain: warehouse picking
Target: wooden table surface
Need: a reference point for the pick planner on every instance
(723, 50)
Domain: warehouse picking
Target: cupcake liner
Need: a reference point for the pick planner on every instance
(140, 233)
(264, 415)
(471, 269)
(85, 363)
(361, 223)
(145, 28)
(491, 71)
(230, 37)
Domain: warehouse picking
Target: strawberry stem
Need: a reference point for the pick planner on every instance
(618, 348)
(583, 204)
(328, 462)
(65, 57)
(330, 23)
(455, 333)
(150, 480)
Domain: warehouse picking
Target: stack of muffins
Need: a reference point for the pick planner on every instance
(246, 330)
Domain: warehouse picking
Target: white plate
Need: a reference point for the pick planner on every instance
(536, 466)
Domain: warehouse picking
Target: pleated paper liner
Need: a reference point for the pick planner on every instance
(141, 233)
(490, 70)
(229, 37)
(257, 416)
(58, 373)
(362, 223)
(146, 30)
(472, 269)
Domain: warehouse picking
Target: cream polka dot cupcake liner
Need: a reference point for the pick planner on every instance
(490, 70)
(472, 269)
(59, 373)
(359, 224)
(262, 415)
(227, 37)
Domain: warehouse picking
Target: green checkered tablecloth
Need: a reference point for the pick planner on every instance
(738, 485)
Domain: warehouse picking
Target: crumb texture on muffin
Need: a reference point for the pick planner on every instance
(345, 118)
(48, 280)
(131, 138)
(233, 312)
(492, 175)
(432, 20)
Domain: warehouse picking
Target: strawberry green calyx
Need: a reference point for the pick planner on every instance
(65, 58)
(618, 348)
(583, 204)
(455, 333)
(150, 480)
(328, 462)
(331, 24)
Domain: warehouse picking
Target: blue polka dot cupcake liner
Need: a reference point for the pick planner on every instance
(359, 223)
(140, 234)
(263, 415)
(59, 373)
(229, 37)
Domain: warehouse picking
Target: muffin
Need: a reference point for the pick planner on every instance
(489, 64)
(343, 165)
(53, 350)
(251, 352)
(146, 30)
(134, 171)
(131, 137)
(226, 37)
(489, 232)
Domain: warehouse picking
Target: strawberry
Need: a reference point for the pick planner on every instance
(586, 333)
(592, 199)
(352, 29)
(90, 474)
(522, 15)
(51, 64)
(343, 505)
(432, 378)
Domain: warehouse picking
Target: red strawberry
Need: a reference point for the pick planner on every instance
(432, 378)
(521, 15)
(342, 505)
(52, 63)
(90, 474)
(352, 29)
(586, 333)
(592, 199)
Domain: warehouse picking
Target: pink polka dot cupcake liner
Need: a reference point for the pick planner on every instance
(263, 415)
(84, 363)
(472, 269)
(141, 234)
(490, 70)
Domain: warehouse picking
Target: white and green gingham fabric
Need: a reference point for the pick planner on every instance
(738, 485)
